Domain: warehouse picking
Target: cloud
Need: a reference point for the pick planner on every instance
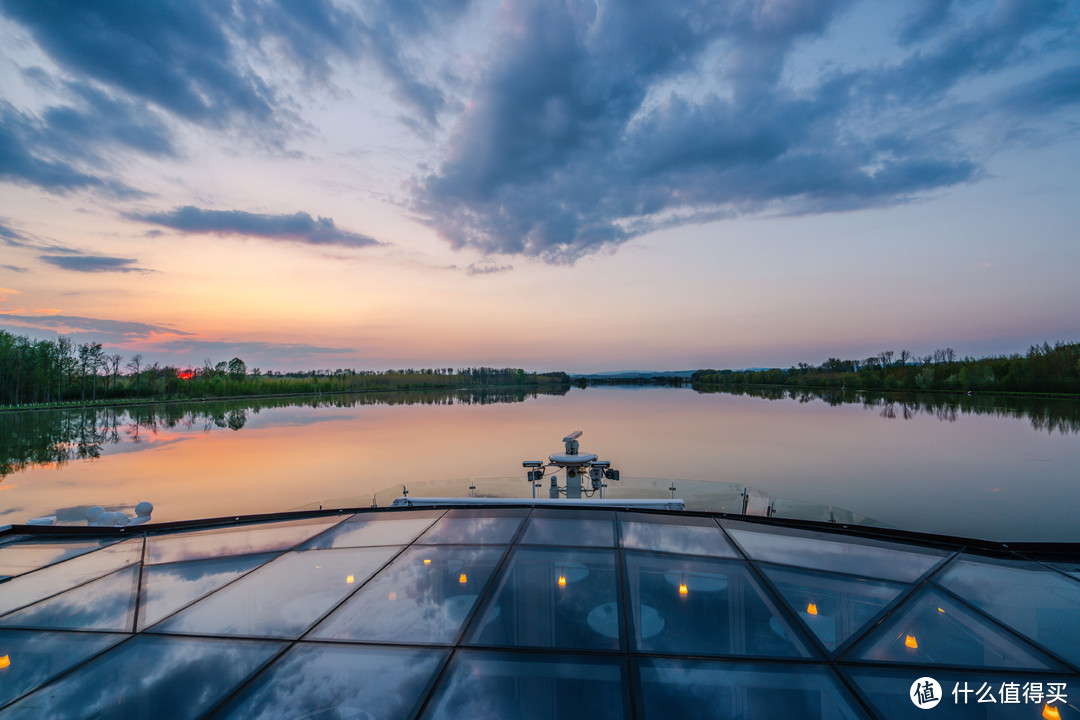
(173, 53)
(474, 269)
(171, 345)
(109, 330)
(591, 126)
(71, 147)
(299, 227)
(93, 263)
(5, 293)
(194, 58)
(14, 268)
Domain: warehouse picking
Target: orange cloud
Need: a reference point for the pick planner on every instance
(5, 293)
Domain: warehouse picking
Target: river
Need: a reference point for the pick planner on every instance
(995, 468)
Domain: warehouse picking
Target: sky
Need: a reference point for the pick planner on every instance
(547, 184)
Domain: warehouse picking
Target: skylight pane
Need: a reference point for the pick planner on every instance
(239, 540)
(694, 606)
(104, 604)
(577, 528)
(424, 596)
(833, 552)
(1037, 602)
(485, 684)
(662, 533)
(832, 607)
(932, 629)
(487, 526)
(151, 677)
(723, 689)
(554, 598)
(331, 680)
(282, 598)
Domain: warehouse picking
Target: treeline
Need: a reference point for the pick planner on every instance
(1044, 369)
(34, 372)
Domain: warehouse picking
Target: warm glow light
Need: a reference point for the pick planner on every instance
(1051, 713)
(350, 579)
(562, 581)
(463, 579)
(910, 642)
(682, 589)
(811, 609)
(940, 610)
(393, 596)
(427, 561)
(5, 661)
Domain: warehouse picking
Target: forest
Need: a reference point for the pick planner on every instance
(1044, 369)
(59, 372)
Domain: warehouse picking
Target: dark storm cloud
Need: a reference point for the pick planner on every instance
(299, 227)
(579, 134)
(93, 263)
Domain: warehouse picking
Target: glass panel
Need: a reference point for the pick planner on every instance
(375, 528)
(704, 607)
(707, 688)
(892, 693)
(1037, 602)
(282, 598)
(689, 536)
(167, 588)
(530, 687)
(151, 677)
(29, 659)
(833, 607)
(931, 629)
(554, 598)
(490, 526)
(239, 540)
(40, 584)
(22, 557)
(104, 604)
(579, 528)
(329, 680)
(834, 552)
(424, 596)
(1072, 569)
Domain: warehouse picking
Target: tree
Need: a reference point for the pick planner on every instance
(237, 369)
(89, 361)
(135, 368)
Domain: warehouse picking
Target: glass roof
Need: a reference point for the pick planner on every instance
(529, 613)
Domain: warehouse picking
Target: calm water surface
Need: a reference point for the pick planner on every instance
(993, 468)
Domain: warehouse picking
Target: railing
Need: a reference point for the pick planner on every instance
(699, 495)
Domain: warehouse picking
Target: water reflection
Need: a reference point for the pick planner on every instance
(57, 437)
(1050, 415)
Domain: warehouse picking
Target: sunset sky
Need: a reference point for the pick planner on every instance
(550, 184)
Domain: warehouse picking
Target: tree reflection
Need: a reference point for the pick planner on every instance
(45, 438)
(1052, 416)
